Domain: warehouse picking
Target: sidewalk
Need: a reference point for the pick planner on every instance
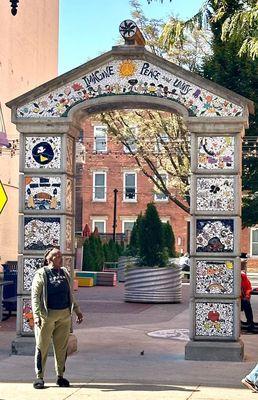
(110, 363)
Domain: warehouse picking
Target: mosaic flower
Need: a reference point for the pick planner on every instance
(214, 319)
(77, 86)
(215, 194)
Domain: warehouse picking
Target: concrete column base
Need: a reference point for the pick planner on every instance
(25, 346)
(214, 351)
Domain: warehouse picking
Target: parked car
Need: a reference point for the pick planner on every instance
(184, 262)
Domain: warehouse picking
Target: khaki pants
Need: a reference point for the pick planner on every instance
(55, 325)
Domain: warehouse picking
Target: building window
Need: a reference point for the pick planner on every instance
(131, 146)
(127, 225)
(130, 186)
(161, 141)
(100, 139)
(99, 186)
(158, 195)
(99, 224)
(254, 241)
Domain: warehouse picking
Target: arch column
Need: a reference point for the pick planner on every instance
(46, 206)
(215, 239)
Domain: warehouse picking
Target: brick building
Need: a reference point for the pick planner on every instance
(109, 166)
(103, 164)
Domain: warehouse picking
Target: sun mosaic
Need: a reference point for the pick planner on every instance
(127, 68)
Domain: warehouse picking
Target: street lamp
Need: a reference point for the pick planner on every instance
(14, 5)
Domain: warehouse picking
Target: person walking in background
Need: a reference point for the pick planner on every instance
(246, 289)
(52, 306)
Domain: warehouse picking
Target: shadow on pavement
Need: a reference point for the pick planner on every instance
(132, 387)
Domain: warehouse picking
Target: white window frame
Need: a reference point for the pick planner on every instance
(133, 140)
(94, 186)
(96, 127)
(127, 220)
(165, 198)
(94, 220)
(251, 241)
(159, 146)
(124, 188)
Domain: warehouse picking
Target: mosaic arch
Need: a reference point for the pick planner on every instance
(128, 76)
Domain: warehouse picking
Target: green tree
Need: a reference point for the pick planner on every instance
(111, 251)
(225, 67)
(92, 254)
(239, 27)
(134, 245)
(169, 239)
(150, 238)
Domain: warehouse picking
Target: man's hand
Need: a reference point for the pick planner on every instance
(79, 318)
(37, 322)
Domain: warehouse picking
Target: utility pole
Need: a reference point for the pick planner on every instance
(114, 221)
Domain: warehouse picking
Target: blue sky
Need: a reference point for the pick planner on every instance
(89, 28)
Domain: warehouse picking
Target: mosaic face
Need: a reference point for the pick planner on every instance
(215, 236)
(214, 319)
(68, 234)
(43, 152)
(129, 77)
(41, 233)
(69, 195)
(42, 193)
(216, 152)
(215, 194)
(27, 316)
(70, 154)
(30, 266)
(216, 277)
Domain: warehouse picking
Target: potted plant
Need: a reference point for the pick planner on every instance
(155, 279)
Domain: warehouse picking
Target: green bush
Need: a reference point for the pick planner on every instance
(169, 239)
(151, 238)
(134, 245)
(93, 256)
(112, 251)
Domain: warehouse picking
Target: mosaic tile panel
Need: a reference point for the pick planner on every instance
(42, 193)
(214, 277)
(70, 155)
(214, 319)
(215, 235)
(30, 266)
(41, 232)
(129, 77)
(215, 194)
(216, 152)
(27, 316)
(69, 195)
(69, 234)
(43, 152)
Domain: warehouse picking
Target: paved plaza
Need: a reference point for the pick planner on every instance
(117, 359)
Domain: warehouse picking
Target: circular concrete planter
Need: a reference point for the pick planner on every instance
(153, 285)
